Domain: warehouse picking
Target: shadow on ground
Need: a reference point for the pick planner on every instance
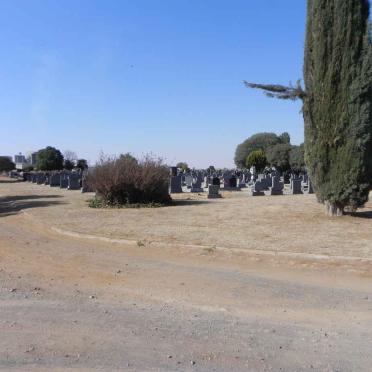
(364, 214)
(11, 205)
(184, 202)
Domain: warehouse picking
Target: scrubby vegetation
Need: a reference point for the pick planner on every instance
(126, 181)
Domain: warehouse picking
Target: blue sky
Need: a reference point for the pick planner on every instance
(140, 76)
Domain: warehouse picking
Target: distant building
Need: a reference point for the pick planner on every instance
(20, 159)
(33, 158)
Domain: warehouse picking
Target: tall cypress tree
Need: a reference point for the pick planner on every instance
(337, 102)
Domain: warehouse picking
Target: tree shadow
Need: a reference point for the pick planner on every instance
(11, 181)
(183, 202)
(364, 214)
(11, 205)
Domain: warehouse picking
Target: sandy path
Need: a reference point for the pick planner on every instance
(74, 304)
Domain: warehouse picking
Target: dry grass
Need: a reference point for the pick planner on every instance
(280, 223)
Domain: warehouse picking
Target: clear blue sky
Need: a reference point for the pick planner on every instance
(139, 76)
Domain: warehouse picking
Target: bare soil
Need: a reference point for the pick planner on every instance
(77, 303)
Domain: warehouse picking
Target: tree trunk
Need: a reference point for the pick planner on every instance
(333, 210)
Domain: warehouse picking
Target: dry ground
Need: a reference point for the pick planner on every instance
(73, 303)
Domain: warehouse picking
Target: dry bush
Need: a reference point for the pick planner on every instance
(126, 180)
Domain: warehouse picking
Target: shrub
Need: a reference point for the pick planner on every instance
(123, 181)
(256, 159)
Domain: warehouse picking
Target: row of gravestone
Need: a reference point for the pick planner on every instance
(266, 184)
(273, 185)
(69, 181)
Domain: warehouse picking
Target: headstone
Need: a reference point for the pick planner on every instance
(258, 189)
(216, 181)
(55, 180)
(40, 178)
(296, 186)
(73, 182)
(213, 192)
(63, 181)
(175, 185)
(173, 171)
(277, 186)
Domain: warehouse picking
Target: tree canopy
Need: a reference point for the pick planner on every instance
(6, 165)
(49, 159)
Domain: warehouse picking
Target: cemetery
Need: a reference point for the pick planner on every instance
(206, 228)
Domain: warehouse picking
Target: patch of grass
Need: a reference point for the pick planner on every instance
(101, 203)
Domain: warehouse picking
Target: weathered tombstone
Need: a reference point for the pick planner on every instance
(73, 182)
(175, 184)
(213, 192)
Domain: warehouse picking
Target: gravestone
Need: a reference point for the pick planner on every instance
(214, 192)
(296, 186)
(258, 189)
(63, 181)
(73, 182)
(40, 178)
(173, 171)
(277, 186)
(175, 185)
(188, 180)
(55, 180)
(216, 181)
(196, 185)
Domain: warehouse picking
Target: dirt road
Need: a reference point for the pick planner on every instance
(73, 304)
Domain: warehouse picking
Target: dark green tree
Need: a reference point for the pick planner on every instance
(6, 165)
(82, 164)
(49, 159)
(337, 102)
(257, 159)
(183, 166)
(278, 156)
(297, 157)
(68, 164)
(259, 141)
(285, 138)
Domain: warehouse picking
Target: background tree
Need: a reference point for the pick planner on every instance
(337, 102)
(6, 165)
(68, 164)
(183, 166)
(49, 159)
(256, 159)
(259, 141)
(70, 156)
(82, 164)
(297, 158)
(278, 156)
